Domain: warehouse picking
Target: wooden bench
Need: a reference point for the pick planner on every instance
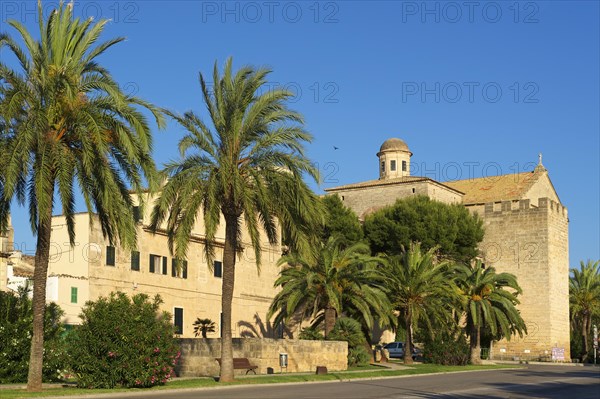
(241, 363)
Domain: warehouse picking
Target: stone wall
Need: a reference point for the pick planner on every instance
(366, 200)
(530, 241)
(198, 355)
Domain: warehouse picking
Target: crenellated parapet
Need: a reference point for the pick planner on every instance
(544, 204)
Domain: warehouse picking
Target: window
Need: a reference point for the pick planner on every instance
(178, 322)
(404, 166)
(156, 265)
(110, 256)
(135, 261)
(218, 268)
(73, 294)
(383, 166)
(393, 165)
(177, 270)
(221, 325)
(137, 215)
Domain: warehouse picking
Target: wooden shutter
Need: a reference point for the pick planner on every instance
(185, 268)
(164, 268)
(151, 263)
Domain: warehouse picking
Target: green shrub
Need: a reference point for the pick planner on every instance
(349, 330)
(16, 328)
(358, 356)
(311, 334)
(447, 350)
(123, 342)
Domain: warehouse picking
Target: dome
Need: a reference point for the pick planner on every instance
(394, 144)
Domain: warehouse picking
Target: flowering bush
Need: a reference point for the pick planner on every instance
(16, 329)
(447, 350)
(124, 342)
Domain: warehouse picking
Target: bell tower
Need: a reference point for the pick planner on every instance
(394, 159)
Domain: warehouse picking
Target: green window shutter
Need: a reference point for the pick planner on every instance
(185, 265)
(73, 294)
(173, 267)
(164, 267)
(151, 263)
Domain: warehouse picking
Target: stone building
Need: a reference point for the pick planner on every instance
(526, 233)
(94, 268)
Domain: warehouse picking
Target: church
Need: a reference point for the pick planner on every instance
(526, 234)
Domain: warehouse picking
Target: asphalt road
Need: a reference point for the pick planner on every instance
(533, 382)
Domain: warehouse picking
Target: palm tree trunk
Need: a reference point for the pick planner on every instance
(330, 316)
(40, 272)
(229, 254)
(475, 345)
(584, 337)
(408, 342)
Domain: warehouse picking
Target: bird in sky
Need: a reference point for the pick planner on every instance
(335, 148)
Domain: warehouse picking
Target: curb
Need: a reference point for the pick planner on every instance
(241, 386)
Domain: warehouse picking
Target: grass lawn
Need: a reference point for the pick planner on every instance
(365, 372)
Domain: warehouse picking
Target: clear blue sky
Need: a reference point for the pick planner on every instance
(485, 86)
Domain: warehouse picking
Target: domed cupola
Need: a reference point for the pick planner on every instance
(394, 159)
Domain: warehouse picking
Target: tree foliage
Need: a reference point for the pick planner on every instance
(341, 221)
(16, 316)
(203, 327)
(420, 288)
(434, 224)
(488, 302)
(123, 342)
(340, 279)
(248, 167)
(66, 123)
(584, 300)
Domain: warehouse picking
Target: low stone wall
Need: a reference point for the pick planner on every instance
(198, 355)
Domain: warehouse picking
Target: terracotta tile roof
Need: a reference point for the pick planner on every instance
(372, 183)
(23, 266)
(495, 188)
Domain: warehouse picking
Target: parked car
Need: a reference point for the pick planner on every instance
(396, 350)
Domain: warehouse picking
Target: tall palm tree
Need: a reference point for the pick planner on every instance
(487, 302)
(322, 289)
(420, 289)
(248, 167)
(66, 123)
(584, 298)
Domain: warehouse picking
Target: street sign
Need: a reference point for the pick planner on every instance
(558, 354)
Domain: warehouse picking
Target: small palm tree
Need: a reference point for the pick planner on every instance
(249, 169)
(203, 327)
(487, 302)
(65, 123)
(420, 289)
(584, 298)
(338, 280)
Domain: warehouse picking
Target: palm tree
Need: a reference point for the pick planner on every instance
(66, 123)
(487, 302)
(248, 168)
(322, 289)
(420, 289)
(204, 326)
(584, 298)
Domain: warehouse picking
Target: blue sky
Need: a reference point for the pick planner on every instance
(482, 85)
